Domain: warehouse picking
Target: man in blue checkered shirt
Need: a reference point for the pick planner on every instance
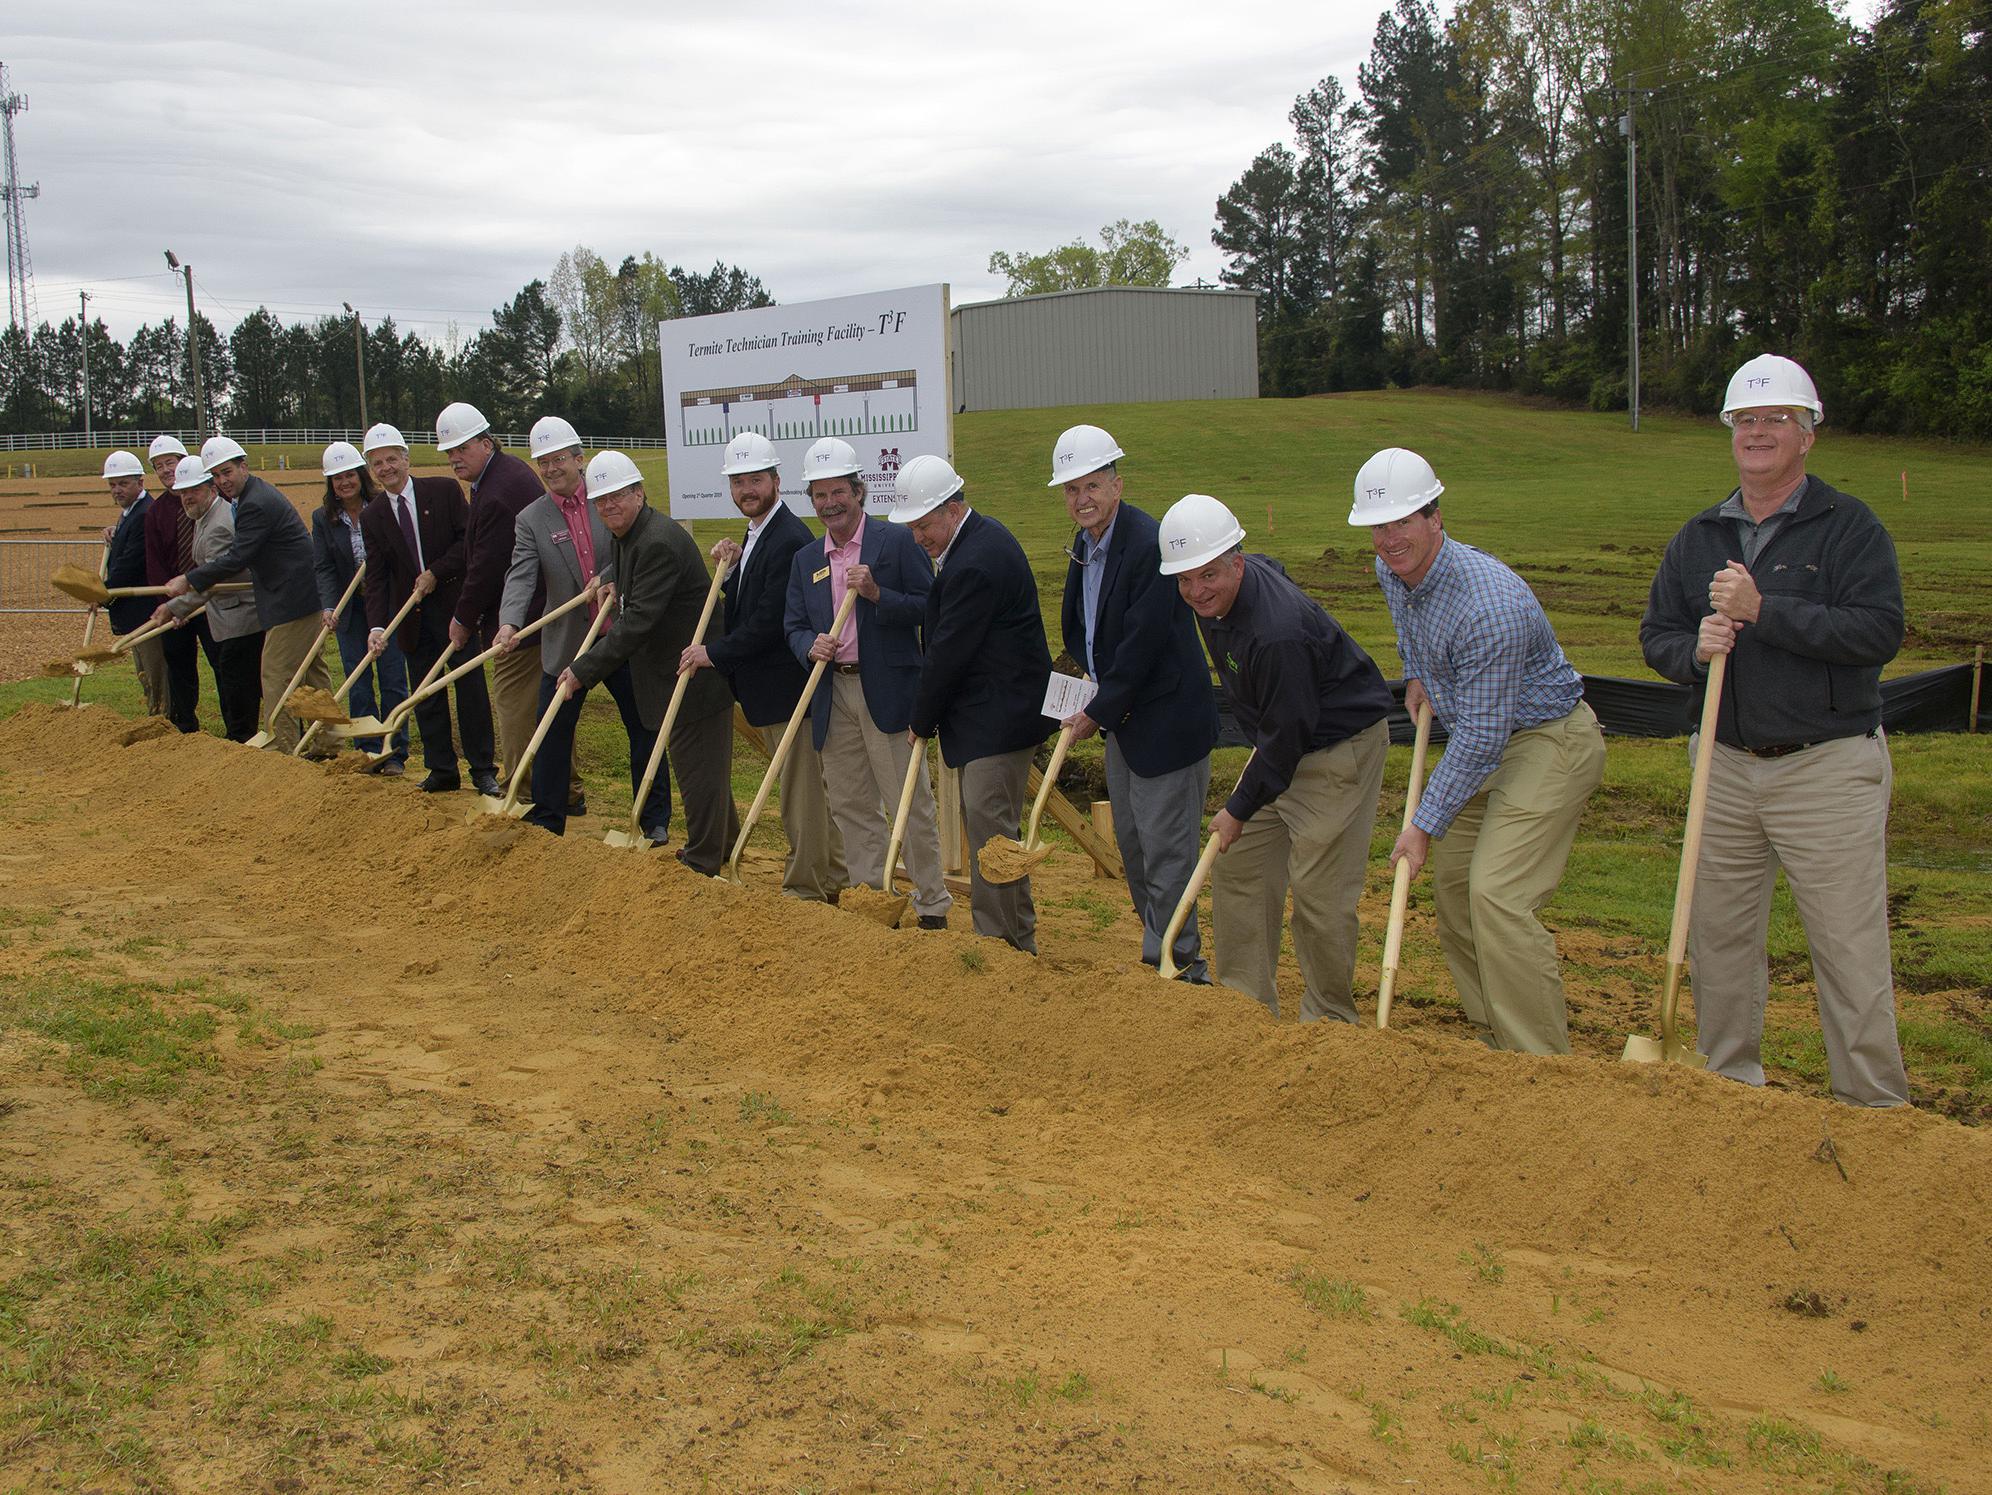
(1523, 753)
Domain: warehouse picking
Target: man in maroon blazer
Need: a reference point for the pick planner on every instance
(414, 534)
(500, 487)
(169, 552)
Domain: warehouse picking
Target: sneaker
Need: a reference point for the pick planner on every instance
(933, 921)
(578, 805)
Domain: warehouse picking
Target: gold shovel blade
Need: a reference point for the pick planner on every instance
(260, 740)
(359, 726)
(84, 586)
(1003, 860)
(626, 840)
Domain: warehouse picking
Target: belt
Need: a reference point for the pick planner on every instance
(845, 669)
(1792, 747)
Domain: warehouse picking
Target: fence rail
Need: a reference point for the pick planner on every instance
(138, 441)
(24, 571)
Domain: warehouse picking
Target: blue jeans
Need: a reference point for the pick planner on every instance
(391, 669)
(556, 753)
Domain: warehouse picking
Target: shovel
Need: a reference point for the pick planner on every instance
(889, 906)
(87, 660)
(1400, 887)
(731, 871)
(80, 584)
(89, 627)
(358, 670)
(1003, 860)
(269, 733)
(1186, 905)
(1669, 1048)
(490, 804)
(634, 836)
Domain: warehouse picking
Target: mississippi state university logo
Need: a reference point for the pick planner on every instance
(888, 461)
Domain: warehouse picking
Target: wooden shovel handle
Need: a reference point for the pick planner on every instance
(1186, 905)
(1684, 883)
(153, 630)
(432, 686)
(352, 675)
(546, 717)
(317, 643)
(915, 761)
(678, 690)
(90, 625)
(1400, 886)
(1057, 762)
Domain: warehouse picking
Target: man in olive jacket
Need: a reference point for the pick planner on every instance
(660, 584)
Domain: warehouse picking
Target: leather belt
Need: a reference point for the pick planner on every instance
(1792, 747)
(845, 669)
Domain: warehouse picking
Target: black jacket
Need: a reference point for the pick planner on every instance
(753, 653)
(126, 567)
(1155, 692)
(1295, 680)
(273, 546)
(1809, 668)
(982, 682)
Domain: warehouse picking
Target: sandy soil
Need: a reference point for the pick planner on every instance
(904, 1211)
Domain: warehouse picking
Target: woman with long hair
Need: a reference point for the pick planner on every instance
(339, 551)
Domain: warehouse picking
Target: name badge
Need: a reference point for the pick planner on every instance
(823, 575)
(560, 536)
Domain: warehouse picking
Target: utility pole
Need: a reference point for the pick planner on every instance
(193, 345)
(360, 358)
(84, 297)
(1631, 252)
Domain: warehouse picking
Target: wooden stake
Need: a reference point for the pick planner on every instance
(1977, 684)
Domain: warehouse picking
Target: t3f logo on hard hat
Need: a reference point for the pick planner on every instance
(1177, 543)
(1756, 383)
(1376, 492)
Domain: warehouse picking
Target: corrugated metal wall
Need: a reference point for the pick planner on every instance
(1110, 346)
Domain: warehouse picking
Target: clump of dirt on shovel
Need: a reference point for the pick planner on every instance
(872, 904)
(309, 703)
(1004, 860)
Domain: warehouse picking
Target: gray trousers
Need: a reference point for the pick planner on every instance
(1316, 839)
(1822, 815)
(701, 754)
(863, 771)
(992, 804)
(1158, 824)
(148, 662)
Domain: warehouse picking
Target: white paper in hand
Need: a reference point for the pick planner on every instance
(1065, 694)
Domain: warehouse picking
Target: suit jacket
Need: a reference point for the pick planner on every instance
(983, 681)
(126, 567)
(1156, 696)
(332, 559)
(888, 629)
(661, 581)
(546, 569)
(496, 502)
(229, 614)
(754, 654)
(440, 520)
(273, 546)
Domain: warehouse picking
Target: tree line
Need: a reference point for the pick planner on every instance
(1802, 185)
(582, 341)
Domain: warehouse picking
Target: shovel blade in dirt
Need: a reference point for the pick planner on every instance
(64, 669)
(1669, 1047)
(628, 840)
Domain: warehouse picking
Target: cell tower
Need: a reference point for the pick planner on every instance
(20, 273)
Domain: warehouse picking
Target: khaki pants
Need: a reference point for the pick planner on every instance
(515, 685)
(1497, 864)
(1316, 838)
(1821, 814)
(283, 648)
(148, 661)
(863, 772)
(815, 868)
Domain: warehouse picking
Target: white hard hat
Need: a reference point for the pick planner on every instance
(829, 458)
(457, 424)
(341, 456)
(190, 472)
(924, 484)
(383, 435)
(1081, 450)
(162, 444)
(219, 449)
(1768, 379)
(610, 472)
(551, 434)
(1393, 483)
(123, 465)
(749, 451)
(1196, 530)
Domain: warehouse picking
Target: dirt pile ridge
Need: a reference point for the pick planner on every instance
(1684, 1212)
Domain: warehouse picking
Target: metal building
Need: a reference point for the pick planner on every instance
(1111, 345)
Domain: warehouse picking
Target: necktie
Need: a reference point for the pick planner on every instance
(404, 511)
(186, 542)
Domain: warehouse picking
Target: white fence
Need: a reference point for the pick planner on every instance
(138, 441)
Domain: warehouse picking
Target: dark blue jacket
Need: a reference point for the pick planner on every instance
(126, 568)
(273, 546)
(983, 681)
(888, 629)
(333, 564)
(1156, 696)
(753, 652)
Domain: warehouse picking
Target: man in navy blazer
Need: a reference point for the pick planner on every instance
(982, 682)
(124, 566)
(1128, 625)
(865, 700)
(753, 654)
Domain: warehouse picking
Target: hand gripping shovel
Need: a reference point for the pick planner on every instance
(1004, 860)
(346, 685)
(269, 733)
(87, 660)
(1186, 905)
(488, 804)
(89, 628)
(634, 836)
(731, 871)
(1400, 886)
(1669, 1047)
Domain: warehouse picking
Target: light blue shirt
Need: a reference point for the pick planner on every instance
(1092, 571)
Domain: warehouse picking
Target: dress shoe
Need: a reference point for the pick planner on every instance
(933, 921)
(578, 805)
(441, 783)
(393, 768)
(486, 783)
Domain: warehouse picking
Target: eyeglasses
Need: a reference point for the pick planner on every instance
(1776, 420)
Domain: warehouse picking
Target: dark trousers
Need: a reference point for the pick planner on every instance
(238, 680)
(432, 716)
(182, 647)
(556, 755)
(390, 672)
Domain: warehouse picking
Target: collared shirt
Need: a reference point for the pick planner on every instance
(574, 509)
(353, 537)
(1092, 557)
(1753, 534)
(942, 559)
(1474, 634)
(842, 558)
(754, 528)
(407, 497)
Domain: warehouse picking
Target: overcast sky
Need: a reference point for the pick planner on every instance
(428, 159)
